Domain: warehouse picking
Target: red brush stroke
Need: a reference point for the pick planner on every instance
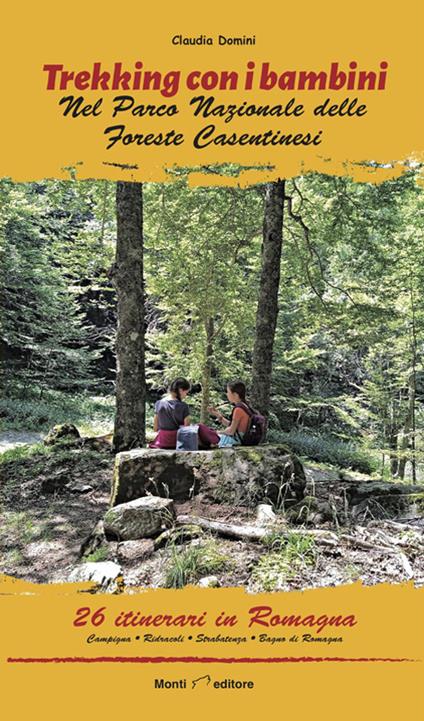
(204, 659)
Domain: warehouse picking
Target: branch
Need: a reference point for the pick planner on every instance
(312, 250)
(252, 532)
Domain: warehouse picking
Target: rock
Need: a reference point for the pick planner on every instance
(62, 432)
(55, 551)
(56, 482)
(129, 551)
(110, 551)
(379, 489)
(142, 518)
(78, 487)
(243, 475)
(178, 535)
(385, 499)
(106, 575)
(310, 510)
(96, 539)
(98, 443)
(265, 515)
(209, 582)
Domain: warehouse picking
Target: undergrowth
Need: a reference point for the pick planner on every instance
(326, 449)
(100, 554)
(287, 556)
(92, 414)
(27, 463)
(188, 565)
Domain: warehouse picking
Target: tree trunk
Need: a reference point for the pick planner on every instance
(105, 199)
(393, 431)
(408, 429)
(413, 379)
(130, 381)
(267, 310)
(207, 369)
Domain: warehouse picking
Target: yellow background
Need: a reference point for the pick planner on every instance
(37, 621)
(37, 142)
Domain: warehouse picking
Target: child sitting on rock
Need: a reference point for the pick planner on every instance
(171, 412)
(238, 424)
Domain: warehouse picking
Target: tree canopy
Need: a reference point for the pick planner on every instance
(348, 350)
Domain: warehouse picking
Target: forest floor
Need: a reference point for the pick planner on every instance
(52, 497)
(14, 439)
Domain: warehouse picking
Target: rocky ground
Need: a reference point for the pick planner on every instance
(15, 439)
(51, 498)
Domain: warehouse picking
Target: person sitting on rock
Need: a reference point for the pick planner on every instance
(239, 420)
(171, 412)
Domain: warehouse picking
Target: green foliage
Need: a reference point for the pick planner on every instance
(294, 546)
(348, 376)
(48, 262)
(326, 449)
(187, 565)
(92, 414)
(100, 554)
(288, 557)
(201, 270)
(350, 332)
(23, 453)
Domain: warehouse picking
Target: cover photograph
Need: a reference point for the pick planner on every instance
(212, 347)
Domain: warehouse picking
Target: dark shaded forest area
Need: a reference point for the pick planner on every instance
(310, 290)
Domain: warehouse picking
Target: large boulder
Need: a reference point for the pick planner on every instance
(385, 499)
(62, 432)
(359, 492)
(142, 518)
(244, 475)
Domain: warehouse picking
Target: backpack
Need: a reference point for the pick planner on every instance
(256, 431)
(188, 438)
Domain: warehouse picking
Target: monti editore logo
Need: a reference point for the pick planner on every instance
(184, 683)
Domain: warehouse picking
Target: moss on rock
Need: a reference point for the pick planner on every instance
(242, 476)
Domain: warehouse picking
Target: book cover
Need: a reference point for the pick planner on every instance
(212, 486)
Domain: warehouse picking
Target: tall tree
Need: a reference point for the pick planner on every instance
(267, 308)
(45, 335)
(130, 381)
(201, 255)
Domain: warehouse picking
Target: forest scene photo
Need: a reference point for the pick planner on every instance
(309, 292)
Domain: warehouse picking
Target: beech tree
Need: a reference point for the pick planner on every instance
(201, 258)
(128, 277)
(267, 307)
(338, 361)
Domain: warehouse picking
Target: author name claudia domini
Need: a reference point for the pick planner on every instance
(218, 40)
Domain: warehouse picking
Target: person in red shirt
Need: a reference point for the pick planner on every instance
(239, 421)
